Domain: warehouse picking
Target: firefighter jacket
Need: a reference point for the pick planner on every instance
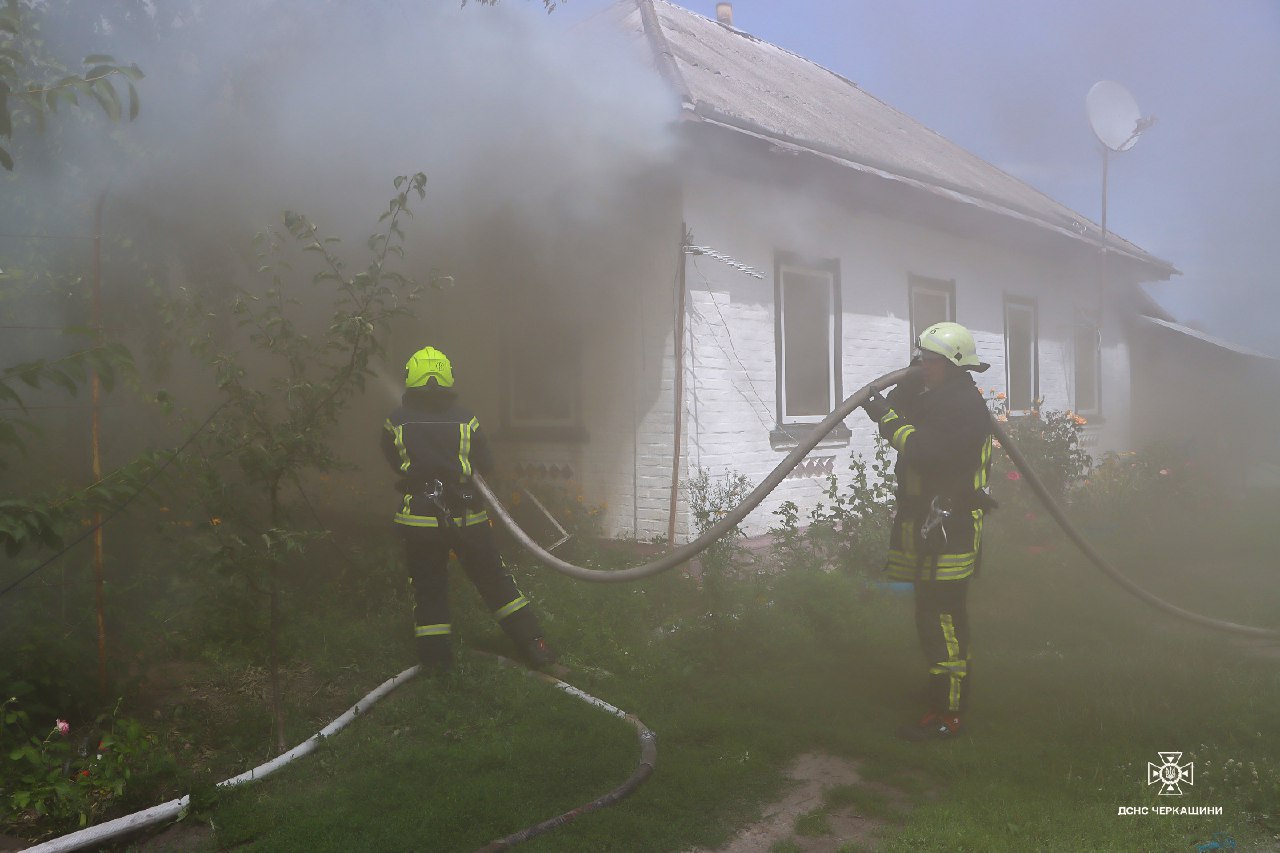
(429, 438)
(943, 440)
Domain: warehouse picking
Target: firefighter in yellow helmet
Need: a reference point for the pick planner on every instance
(435, 445)
(941, 430)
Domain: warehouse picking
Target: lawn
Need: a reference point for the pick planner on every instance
(1078, 687)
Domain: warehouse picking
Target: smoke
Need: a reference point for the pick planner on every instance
(537, 138)
(252, 107)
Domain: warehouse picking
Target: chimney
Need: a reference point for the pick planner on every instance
(724, 13)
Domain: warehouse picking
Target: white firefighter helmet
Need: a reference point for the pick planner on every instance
(954, 343)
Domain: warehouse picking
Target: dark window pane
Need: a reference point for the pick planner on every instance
(544, 384)
(928, 307)
(1086, 368)
(1020, 321)
(806, 336)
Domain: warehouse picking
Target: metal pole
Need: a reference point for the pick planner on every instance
(95, 419)
(1102, 254)
(1102, 286)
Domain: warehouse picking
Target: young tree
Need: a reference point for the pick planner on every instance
(283, 403)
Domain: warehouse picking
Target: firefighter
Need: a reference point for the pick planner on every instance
(435, 444)
(940, 428)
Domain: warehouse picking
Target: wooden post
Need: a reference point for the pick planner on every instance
(95, 420)
(679, 384)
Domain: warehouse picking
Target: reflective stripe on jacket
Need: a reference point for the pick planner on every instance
(430, 437)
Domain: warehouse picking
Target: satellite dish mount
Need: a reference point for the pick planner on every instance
(1117, 122)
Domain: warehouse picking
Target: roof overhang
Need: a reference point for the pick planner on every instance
(1207, 339)
(699, 43)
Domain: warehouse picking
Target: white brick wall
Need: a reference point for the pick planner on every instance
(729, 400)
(730, 374)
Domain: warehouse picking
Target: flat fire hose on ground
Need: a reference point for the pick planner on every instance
(648, 761)
(173, 809)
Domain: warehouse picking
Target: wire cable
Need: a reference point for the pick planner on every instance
(89, 532)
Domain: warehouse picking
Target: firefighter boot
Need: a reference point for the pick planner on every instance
(539, 654)
(435, 654)
(933, 726)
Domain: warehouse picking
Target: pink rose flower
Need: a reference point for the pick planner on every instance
(64, 728)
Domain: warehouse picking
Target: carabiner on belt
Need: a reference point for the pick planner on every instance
(938, 513)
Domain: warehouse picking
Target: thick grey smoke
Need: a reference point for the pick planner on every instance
(255, 107)
(528, 129)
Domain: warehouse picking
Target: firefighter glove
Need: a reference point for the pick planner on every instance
(876, 407)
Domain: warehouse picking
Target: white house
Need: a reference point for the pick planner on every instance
(837, 227)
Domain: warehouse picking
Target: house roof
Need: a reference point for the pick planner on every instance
(729, 78)
(1208, 339)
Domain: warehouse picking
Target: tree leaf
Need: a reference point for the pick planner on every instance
(98, 59)
(107, 97)
(133, 102)
(99, 72)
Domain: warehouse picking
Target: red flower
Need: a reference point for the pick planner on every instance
(1013, 475)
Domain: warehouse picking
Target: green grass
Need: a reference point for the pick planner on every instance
(1077, 686)
(812, 824)
(865, 801)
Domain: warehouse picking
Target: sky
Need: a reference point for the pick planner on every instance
(1007, 80)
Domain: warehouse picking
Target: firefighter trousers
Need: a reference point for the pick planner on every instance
(942, 622)
(427, 551)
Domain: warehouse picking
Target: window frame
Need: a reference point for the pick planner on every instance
(923, 284)
(1029, 304)
(1086, 322)
(569, 428)
(785, 262)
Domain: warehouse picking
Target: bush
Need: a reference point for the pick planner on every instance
(54, 783)
(710, 500)
(851, 529)
(1050, 442)
(564, 501)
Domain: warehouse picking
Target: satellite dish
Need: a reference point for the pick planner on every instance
(1114, 115)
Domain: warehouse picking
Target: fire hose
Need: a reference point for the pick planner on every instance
(726, 523)
(802, 449)
(1060, 516)
(170, 810)
(103, 833)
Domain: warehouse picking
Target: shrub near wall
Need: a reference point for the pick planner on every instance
(1050, 442)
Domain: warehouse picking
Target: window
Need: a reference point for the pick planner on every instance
(933, 300)
(1021, 343)
(1088, 365)
(807, 337)
(543, 398)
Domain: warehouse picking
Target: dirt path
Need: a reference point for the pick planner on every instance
(856, 811)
